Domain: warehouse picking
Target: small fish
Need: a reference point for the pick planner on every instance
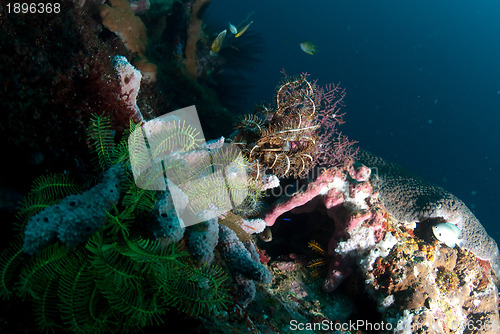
(217, 43)
(448, 233)
(233, 29)
(309, 47)
(243, 30)
(266, 235)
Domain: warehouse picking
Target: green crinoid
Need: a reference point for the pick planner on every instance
(115, 283)
(10, 260)
(119, 280)
(46, 191)
(101, 140)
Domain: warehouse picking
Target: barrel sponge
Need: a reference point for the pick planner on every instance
(76, 217)
(408, 198)
(240, 259)
(168, 226)
(203, 238)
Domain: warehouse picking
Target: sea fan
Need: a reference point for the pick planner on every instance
(299, 132)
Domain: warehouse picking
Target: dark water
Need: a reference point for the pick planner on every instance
(422, 80)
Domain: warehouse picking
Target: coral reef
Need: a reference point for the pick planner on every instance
(417, 283)
(101, 247)
(411, 199)
(228, 234)
(119, 258)
(349, 203)
(429, 287)
(100, 256)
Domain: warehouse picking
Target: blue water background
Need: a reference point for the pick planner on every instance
(422, 80)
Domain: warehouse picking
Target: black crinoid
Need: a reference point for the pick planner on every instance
(285, 141)
(117, 280)
(299, 132)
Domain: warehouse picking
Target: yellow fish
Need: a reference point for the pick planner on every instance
(217, 43)
(243, 30)
(309, 47)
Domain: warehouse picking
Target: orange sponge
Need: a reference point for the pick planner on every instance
(120, 19)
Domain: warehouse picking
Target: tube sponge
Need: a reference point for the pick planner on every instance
(168, 227)
(240, 259)
(203, 238)
(76, 217)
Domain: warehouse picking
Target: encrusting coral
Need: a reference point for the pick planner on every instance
(350, 201)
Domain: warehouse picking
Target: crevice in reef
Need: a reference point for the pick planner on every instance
(292, 238)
